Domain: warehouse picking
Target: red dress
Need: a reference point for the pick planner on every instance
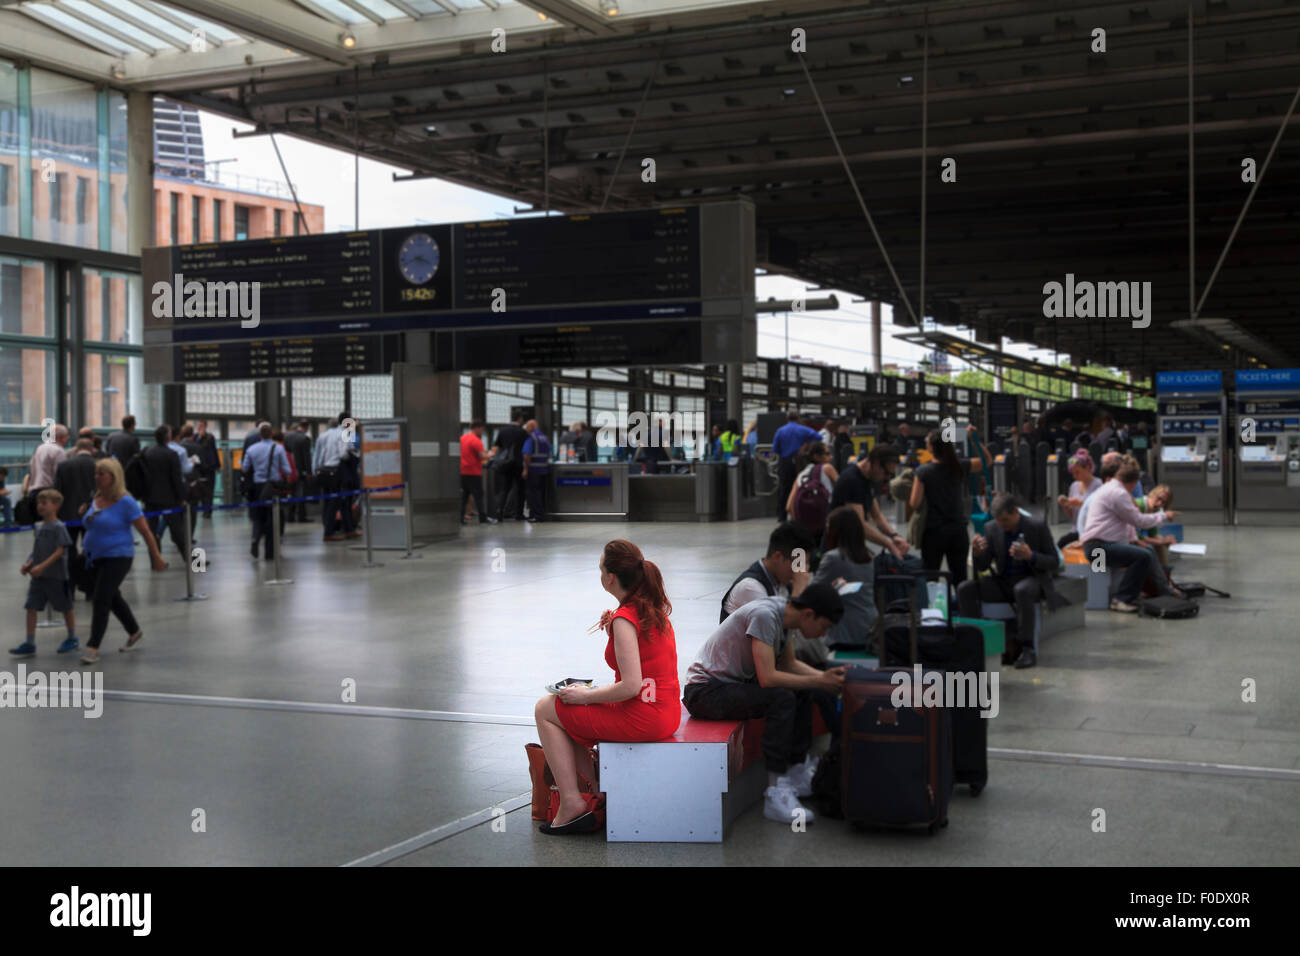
(637, 719)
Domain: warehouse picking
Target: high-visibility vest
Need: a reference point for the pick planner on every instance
(727, 442)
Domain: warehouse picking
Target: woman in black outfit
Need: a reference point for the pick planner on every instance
(939, 484)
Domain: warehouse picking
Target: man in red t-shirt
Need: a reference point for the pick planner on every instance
(472, 456)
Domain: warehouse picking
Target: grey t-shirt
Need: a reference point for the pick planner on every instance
(50, 536)
(727, 654)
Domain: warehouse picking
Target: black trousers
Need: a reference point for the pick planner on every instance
(785, 472)
(107, 596)
(510, 491)
(175, 523)
(1023, 593)
(1065, 539)
(263, 518)
(537, 495)
(946, 541)
(788, 732)
(298, 512)
(471, 486)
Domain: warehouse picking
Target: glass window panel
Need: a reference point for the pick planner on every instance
(115, 387)
(221, 398)
(26, 298)
(112, 307)
(8, 149)
(317, 397)
(372, 397)
(27, 385)
(466, 403)
(65, 145)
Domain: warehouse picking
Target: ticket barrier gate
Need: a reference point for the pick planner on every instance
(1052, 487)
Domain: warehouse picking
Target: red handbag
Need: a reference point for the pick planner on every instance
(546, 796)
(595, 803)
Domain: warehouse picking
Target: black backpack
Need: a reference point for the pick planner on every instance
(1168, 606)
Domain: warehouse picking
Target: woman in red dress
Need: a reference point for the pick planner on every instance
(642, 704)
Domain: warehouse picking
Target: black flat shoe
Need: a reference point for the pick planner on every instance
(1027, 658)
(587, 823)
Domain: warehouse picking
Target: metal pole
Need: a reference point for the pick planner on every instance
(407, 504)
(1258, 179)
(275, 542)
(925, 117)
(546, 143)
(49, 618)
(1191, 175)
(365, 518)
(189, 563)
(632, 129)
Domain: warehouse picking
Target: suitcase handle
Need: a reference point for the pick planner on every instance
(912, 624)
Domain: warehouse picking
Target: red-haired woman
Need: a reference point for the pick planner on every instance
(642, 704)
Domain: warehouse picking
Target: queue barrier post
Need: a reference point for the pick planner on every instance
(189, 563)
(410, 523)
(365, 518)
(275, 542)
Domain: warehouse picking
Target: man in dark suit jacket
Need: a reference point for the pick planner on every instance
(75, 480)
(165, 487)
(123, 445)
(298, 444)
(1024, 557)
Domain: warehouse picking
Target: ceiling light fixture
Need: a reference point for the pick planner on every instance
(540, 15)
(348, 40)
(118, 71)
(609, 7)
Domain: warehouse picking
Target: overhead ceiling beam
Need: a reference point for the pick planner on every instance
(287, 26)
(107, 28)
(93, 42)
(142, 25)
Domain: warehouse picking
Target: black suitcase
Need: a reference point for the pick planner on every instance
(951, 648)
(896, 762)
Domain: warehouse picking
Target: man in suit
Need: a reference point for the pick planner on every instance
(75, 480)
(124, 445)
(164, 486)
(204, 444)
(510, 489)
(1020, 548)
(298, 444)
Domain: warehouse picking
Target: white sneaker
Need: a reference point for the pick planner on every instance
(781, 804)
(801, 776)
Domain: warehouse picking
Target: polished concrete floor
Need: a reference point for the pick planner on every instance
(235, 706)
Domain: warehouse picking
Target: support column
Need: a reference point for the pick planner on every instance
(478, 397)
(140, 229)
(430, 403)
(997, 368)
(735, 375)
(877, 358)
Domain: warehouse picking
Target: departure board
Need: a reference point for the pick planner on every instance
(542, 292)
(285, 358)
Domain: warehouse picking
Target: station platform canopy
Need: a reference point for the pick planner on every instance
(1071, 155)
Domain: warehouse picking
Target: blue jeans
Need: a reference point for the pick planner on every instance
(7, 506)
(1141, 563)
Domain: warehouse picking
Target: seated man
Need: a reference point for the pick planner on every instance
(1112, 517)
(1021, 548)
(747, 669)
(1084, 484)
(789, 546)
(785, 571)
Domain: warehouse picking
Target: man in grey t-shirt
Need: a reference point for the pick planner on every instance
(747, 669)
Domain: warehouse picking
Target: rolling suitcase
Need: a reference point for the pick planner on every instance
(952, 648)
(896, 762)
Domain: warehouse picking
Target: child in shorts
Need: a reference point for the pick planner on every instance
(48, 567)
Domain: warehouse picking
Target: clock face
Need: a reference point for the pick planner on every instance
(418, 258)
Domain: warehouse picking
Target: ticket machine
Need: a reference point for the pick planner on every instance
(1267, 402)
(1189, 431)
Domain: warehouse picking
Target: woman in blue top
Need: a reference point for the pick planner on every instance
(109, 550)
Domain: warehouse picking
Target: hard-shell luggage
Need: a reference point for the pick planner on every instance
(950, 647)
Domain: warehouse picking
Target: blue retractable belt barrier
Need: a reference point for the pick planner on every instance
(241, 504)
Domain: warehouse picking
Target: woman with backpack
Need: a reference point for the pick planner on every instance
(806, 503)
(939, 484)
